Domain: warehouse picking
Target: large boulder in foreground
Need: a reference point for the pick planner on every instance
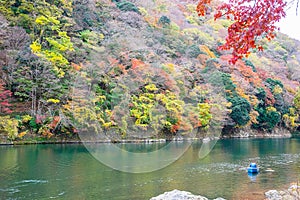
(290, 194)
(180, 195)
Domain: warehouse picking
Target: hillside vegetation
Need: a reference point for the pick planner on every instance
(132, 69)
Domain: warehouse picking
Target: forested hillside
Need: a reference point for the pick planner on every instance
(136, 69)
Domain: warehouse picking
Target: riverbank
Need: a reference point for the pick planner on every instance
(37, 139)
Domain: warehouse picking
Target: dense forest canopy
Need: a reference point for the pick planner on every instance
(141, 69)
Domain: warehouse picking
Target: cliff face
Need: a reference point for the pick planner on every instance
(137, 69)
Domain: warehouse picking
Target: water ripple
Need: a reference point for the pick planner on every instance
(32, 181)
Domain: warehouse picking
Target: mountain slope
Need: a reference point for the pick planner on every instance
(137, 69)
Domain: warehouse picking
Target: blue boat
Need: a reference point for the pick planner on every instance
(253, 168)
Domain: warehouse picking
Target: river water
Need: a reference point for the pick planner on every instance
(69, 171)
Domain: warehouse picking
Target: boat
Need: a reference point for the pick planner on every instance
(253, 168)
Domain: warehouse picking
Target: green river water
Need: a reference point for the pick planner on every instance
(69, 171)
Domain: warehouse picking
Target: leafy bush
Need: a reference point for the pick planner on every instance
(240, 110)
(193, 51)
(9, 126)
(261, 94)
(272, 83)
(164, 21)
(268, 118)
(127, 6)
(228, 84)
(198, 35)
(91, 37)
(144, 104)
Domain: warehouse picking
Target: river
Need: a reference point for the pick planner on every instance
(69, 171)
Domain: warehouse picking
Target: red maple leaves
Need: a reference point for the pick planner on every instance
(252, 21)
(4, 99)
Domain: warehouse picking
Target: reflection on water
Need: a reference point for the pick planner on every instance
(252, 176)
(70, 172)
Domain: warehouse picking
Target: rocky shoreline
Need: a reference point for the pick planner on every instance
(292, 193)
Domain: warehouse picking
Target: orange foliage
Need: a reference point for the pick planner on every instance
(249, 75)
(55, 121)
(136, 63)
(76, 66)
(112, 61)
(202, 7)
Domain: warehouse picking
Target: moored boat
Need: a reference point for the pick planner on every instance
(253, 168)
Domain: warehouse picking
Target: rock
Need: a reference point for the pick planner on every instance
(273, 195)
(294, 187)
(290, 194)
(180, 195)
(288, 197)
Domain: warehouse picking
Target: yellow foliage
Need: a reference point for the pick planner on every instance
(53, 100)
(42, 20)
(205, 37)
(271, 109)
(143, 11)
(290, 89)
(22, 134)
(216, 25)
(174, 27)
(26, 118)
(242, 93)
(228, 104)
(9, 126)
(169, 67)
(205, 49)
(292, 111)
(36, 47)
(191, 8)
(191, 20)
(204, 114)
(151, 87)
(253, 117)
(291, 118)
(277, 90)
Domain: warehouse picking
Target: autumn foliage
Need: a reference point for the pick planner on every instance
(4, 99)
(252, 21)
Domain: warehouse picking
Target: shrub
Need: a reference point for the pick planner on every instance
(261, 94)
(272, 83)
(268, 118)
(193, 51)
(9, 126)
(127, 6)
(249, 63)
(91, 37)
(164, 21)
(240, 110)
